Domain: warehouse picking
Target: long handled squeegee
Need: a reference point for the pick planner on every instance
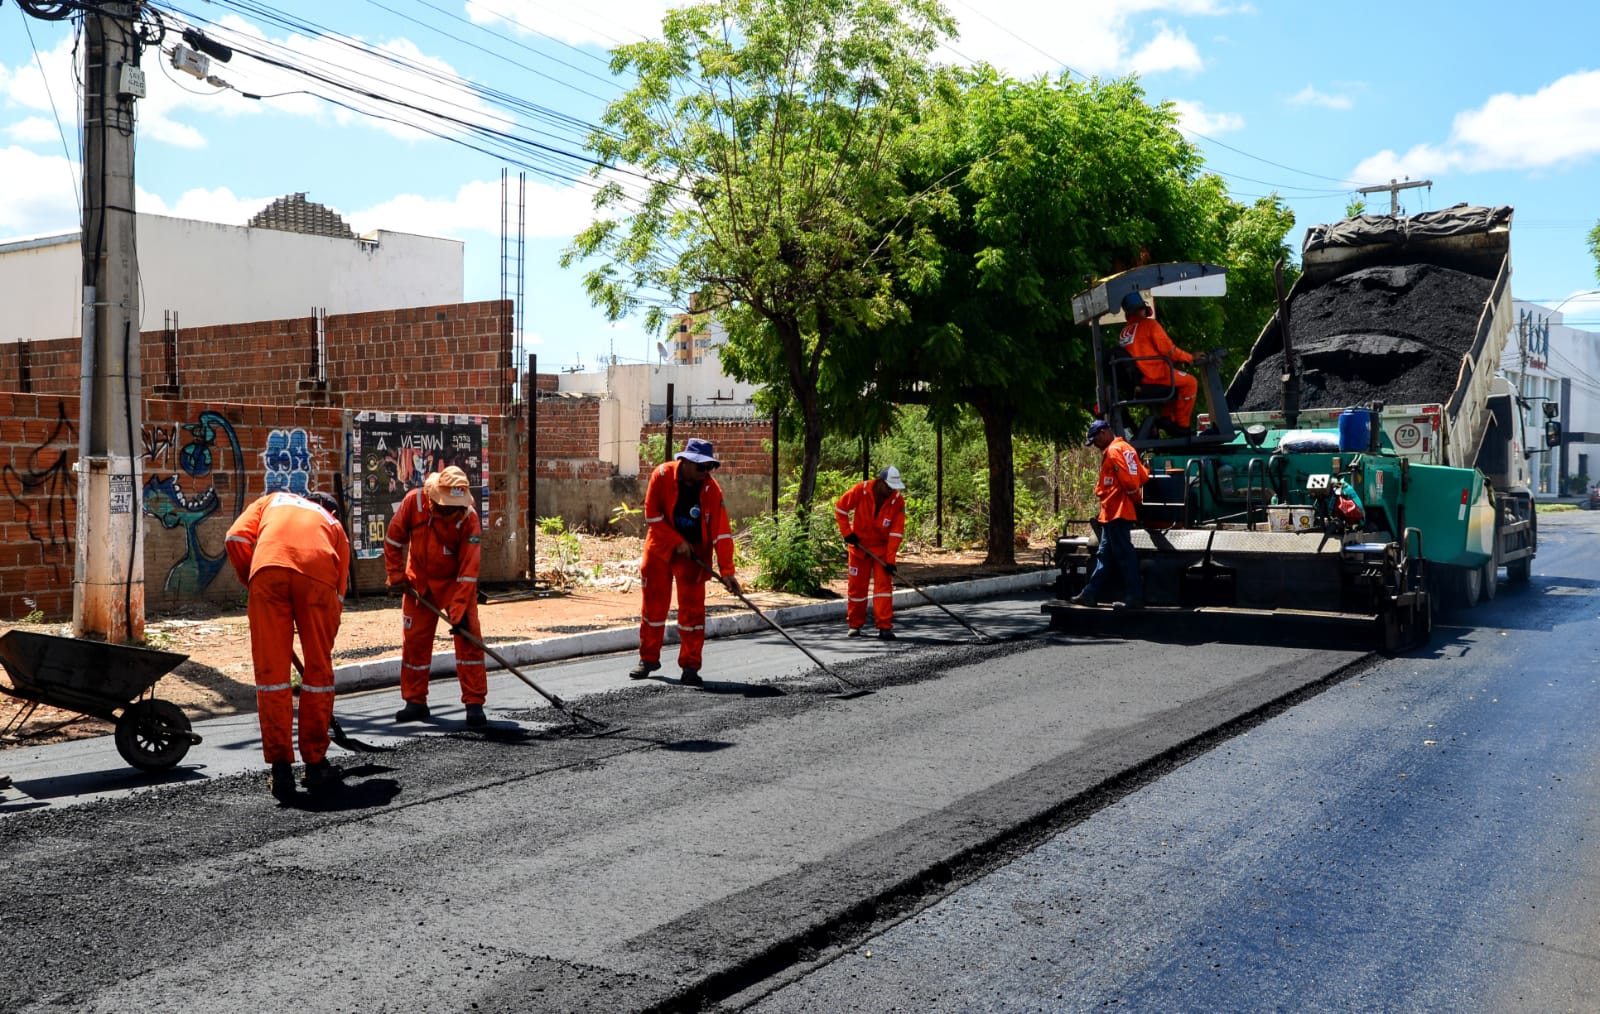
(590, 726)
(980, 635)
(855, 691)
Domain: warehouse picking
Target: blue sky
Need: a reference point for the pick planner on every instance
(1308, 100)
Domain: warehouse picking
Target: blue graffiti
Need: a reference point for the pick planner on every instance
(167, 502)
(287, 460)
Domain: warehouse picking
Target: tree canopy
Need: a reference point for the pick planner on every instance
(770, 133)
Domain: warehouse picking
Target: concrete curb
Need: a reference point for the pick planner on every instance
(385, 672)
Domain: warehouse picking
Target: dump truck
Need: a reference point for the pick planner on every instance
(1366, 463)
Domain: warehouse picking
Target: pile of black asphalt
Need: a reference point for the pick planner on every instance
(1393, 333)
(723, 836)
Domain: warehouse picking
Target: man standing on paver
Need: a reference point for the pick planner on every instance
(432, 549)
(685, 525)
(872, 519)
(1122, 475)
(291, 553)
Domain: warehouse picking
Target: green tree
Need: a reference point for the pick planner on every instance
(770, 134)
(1051, 183)
(1594, 248)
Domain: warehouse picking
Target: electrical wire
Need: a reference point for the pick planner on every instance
(61, 131)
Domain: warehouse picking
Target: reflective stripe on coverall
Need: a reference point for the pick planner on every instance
(1145, 338)
(662, 566)
(294, 558)
(880, 529)
(439, 557)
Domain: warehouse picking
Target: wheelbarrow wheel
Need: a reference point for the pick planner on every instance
(153, 735)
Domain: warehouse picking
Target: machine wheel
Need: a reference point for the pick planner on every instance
(1488, 581)
(1520, 571)
(153, 735)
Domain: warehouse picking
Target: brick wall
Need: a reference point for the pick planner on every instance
(743, 446)
(453, 358)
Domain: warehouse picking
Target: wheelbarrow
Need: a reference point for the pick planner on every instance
(113, 682)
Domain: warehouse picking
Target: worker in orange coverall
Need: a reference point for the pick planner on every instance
(433, 546)
(1157, 358)
(685, 526)
(292, 554)
(1119, 490)
(872, 516)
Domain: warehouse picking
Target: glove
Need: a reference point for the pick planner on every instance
(459, 628)
(890, 568)
(731, 583)
(853, 540)
(396, 587)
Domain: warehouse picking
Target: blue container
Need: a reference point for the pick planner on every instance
(1355, 429)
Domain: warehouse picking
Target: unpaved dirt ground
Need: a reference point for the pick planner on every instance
(217, 679)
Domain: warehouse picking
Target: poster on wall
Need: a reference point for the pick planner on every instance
(391, 453)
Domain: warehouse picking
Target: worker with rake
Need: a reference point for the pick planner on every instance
(292, 554)
(872, 519)
(685, 526)
(433, 549)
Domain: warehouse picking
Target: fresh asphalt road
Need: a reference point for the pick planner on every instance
(733, 839)
(1423, 837)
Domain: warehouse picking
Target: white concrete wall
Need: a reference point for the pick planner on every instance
(1574, 356)
(223, 274)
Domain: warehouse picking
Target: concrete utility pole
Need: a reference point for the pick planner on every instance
(1394, 187)
(108, 575)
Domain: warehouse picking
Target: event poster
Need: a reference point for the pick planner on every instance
(391, 453)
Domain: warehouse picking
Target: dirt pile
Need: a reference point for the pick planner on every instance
(1394, 333)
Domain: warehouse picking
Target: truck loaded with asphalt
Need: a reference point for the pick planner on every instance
(1366, 462)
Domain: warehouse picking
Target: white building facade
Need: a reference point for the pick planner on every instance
(295, 256)
(1551, 363)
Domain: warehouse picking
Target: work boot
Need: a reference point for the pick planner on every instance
(280, 781)
(643, 669)
(1131, 604)
(475, 715)
(414, 711)
(854, 632)
(691, 678)
(1084, 599)
(320, 774)
(885, 634)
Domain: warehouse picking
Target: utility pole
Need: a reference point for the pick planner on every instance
(1394, 187)
(108, 574)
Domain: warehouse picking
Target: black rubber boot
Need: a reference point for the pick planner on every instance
(691, 678)
(885, 634)
(475, 715)
(414, 711)
(280, 781)
(320, 775)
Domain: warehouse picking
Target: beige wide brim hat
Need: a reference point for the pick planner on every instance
(449, 488)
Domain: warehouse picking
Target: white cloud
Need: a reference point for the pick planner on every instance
(34, 130)
(1555, 126)
(219, 205)
(552, 211)
(603, 24)
(40, 194)
(1192, 116)
(1310, 96)
(1022, 37)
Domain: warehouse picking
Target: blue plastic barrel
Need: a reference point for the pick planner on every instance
(1355, 429)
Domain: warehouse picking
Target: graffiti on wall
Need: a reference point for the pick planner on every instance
(43, 489)
(193, 490)
(287, 461)
(392, 453)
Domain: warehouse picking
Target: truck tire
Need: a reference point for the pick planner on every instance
(1489, 581)
(1457, 587)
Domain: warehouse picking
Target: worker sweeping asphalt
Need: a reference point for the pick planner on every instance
(433, 547)
(872, 520)
(685, 525)
(292, 555)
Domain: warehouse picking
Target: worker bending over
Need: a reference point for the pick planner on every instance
(872, 519)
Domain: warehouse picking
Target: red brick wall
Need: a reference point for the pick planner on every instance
(743, 446)
(453, 358)
(38, 503)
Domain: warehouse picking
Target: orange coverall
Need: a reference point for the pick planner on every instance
(880, 529)
(662, 566)
(442, 563)
(295, 559)
(1122, 475)
(1144, 338)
